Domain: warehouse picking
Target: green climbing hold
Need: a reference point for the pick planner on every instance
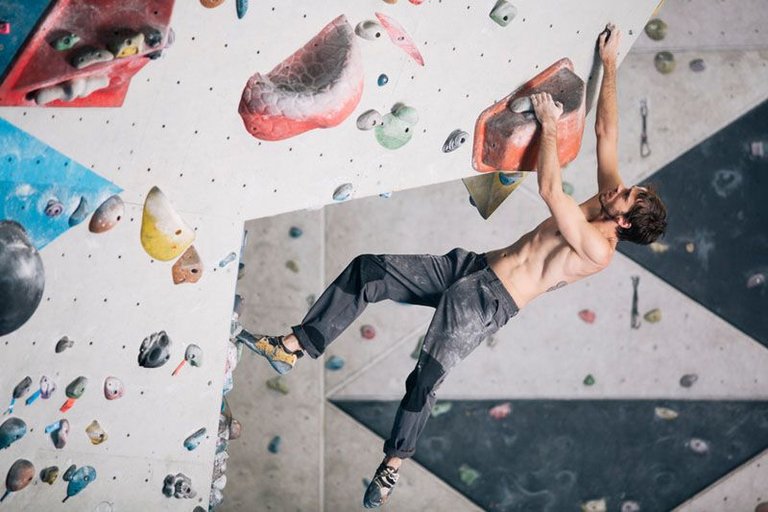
(396, 128)
(440, 409)
(66, 42)
(468, 475)
(567, 188)
(656, 29)
(277, 384)
(653, 316)
(664, 62)
(292, 266)
(589, 380)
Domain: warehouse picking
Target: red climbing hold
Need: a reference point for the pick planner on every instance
(587, 315)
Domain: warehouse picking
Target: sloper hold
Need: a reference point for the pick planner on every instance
(11, 431)
(188, 268)
(23, 277)
(107, 215)
(400, 37)
(317, 87)
(22, 472)
(508, 141)
(164, 234)
(489, 190)
(79, 480)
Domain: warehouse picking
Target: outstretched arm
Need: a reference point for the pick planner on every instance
(607, 122)
(585, 239)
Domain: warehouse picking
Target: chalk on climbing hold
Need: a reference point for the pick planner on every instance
(589, 380)
(503, 12)
(369, 120)
(194, 440)
(63, 344)
(49, 474)
(664, 62)
(164, 234)
(455, 140)
(23, 277)
(155, 350)
(178, 486)
(369, 29)
(368, 332)
(188, 268)
(96, 434)
(278, 384)
(334, 363)
(500, 411)
(594, 506)
(665, 413)
(19, 476)
(90, 56)
(400, 37)
(318, 86)
(688, 380)
(656, 29)
(80, 213)
(653, 316)
(113, 388)
(440, 408)
(468, 475)
(11, 431)
(78, 480)
(382, 80)
(698, 446)
(107, 215)
(343, 192)
(274, 444)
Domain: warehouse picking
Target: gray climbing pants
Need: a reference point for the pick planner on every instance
(470, 304)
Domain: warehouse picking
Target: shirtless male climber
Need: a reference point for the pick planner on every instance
(476, 294)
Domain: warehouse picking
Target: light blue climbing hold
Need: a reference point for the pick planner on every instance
(385, 195)
(334, 363)
(194, 440)
(382, 80)
(79, 480)
(510, 178)
(242, 8)
(568, 188)
(274, 444)
(80, 213)
(343, 192)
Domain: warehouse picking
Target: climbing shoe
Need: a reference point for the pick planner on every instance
(271, 347)
(381, 486)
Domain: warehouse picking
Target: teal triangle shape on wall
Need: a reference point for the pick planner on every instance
(33, 174)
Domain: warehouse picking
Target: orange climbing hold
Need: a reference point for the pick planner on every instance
(506, 132)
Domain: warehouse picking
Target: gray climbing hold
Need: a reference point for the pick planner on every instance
(369, 29)
(630, 506)
(90, 56)
(369, 119)
(63, 344)
(455, 140)
(503, 13)
(755, 280)
(697, 65)
(155, 350)
(698, 446)
(178, 486)
(23, 277)
(688, 380)
(664, 62)
(521, 105)
(49, 474)
(343, 192)
(656, 29)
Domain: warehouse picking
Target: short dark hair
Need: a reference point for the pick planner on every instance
(647, 218)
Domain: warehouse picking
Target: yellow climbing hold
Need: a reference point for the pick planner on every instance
(653, 316)
(164, 235)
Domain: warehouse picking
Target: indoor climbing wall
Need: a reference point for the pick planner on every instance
(246, 112)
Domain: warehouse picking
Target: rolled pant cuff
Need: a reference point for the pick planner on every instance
(400, 454)
(306, 344)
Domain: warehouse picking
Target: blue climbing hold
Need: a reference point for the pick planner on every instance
(274, 445)
(295, 232)
(334, 363)
(78, 480)
(242, 8)
(382, 80)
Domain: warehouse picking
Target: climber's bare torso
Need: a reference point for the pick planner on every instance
(542, 261)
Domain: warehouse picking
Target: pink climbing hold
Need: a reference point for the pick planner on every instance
(367, 332)
(416, 2)
(501, 411)
(400, 37)
(587, 315)
(318, 86)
